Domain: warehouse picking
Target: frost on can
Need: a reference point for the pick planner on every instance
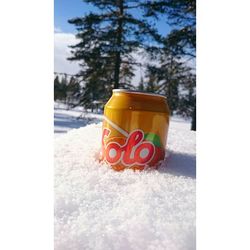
(135, 128)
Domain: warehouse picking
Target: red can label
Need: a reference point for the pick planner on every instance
(136, 149)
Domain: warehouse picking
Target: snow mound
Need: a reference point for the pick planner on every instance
(98, 208)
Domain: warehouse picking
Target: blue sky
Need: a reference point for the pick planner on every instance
(67, 9)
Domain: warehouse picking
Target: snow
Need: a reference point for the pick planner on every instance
(65, 120)
(98, 208)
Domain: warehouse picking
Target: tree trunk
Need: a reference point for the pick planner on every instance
(193, 126)
(118, 46)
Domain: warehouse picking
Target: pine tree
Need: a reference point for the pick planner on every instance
(96, 78)
(193, 125)
(107, 37)
(180, 42)
(187, 100)
(126, 75)
(60, 88)
(56, 88)
(151, 84)
(167, 79)
(63, 88)
(72, 91)
(180, 14)
(141, 85)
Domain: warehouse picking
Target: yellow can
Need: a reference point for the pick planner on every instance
(135, 128)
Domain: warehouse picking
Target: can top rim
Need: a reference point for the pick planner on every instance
(137, 92)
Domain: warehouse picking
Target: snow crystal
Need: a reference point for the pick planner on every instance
(98, 208)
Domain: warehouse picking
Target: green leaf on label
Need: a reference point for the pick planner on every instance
(155, 139)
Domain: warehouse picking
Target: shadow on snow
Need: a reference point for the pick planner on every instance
(67, 122)
(179, 164)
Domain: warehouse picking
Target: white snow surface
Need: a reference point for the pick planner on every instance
(101, 209)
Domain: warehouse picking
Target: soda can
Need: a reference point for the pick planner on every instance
(135, 128)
